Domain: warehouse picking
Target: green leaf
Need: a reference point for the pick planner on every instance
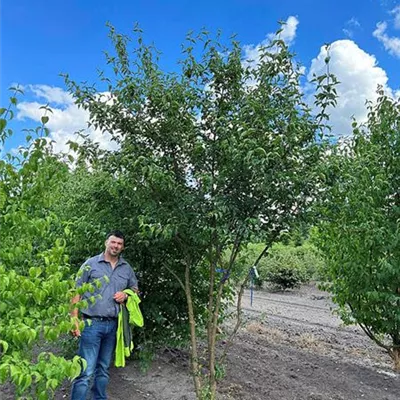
(16, 89)
(4, 346)
(4, 371)
(45, 119)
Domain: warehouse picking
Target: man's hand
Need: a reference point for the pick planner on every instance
(120, 297)
(76, 332)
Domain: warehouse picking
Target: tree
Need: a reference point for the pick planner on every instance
(207, 158)
(360, 232)
(35, 282)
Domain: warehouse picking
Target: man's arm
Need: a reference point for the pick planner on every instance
(74, 314)
(82, 277)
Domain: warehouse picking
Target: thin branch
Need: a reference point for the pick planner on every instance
(232, 335)
(176, 277)
(194, 354)
(369, 333)
(239, 300)
(373, 337)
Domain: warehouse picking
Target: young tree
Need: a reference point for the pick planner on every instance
(208, 157)
(35, 285)
(360, 232)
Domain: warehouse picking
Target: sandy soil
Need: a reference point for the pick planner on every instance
(291, 348)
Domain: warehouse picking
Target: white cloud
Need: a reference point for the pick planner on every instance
(354, 22)
(396, 13)
(348, 32)
(390, 43)
(351, 25)
(288, 34)
(359, 76)
(51, 94)
(65, 120)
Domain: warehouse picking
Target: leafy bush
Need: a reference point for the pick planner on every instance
(35, 279)
(286, 277)
(359, 231)
(286, 266)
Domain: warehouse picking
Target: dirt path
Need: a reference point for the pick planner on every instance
(290, 348)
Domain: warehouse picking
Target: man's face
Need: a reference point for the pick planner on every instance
(114, 246)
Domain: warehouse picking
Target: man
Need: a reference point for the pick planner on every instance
(98, 338)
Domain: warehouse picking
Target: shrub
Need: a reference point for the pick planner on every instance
(359, 231)
(286, 266)
(290, 266)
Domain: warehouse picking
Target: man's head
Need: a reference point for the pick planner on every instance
(115, 241)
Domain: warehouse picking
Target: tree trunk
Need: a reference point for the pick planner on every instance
(193, 351)
(210, 327)
(212, 341)
(395, 354)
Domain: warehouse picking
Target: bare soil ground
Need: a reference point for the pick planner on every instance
(291, 348)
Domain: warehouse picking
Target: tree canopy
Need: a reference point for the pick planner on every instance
(359, 230)
(210, 156)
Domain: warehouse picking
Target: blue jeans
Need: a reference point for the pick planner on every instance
(97, 344)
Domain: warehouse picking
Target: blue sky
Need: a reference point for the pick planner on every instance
(41, 39)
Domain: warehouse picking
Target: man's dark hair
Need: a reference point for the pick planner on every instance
(117, 234)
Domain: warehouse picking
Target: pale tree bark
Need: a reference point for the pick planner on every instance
(213, 322)
(193, 339)
(395, 354)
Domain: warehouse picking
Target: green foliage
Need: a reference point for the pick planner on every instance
(35, 282)
(286, 266)
(34, 310)
(359, 229)
(207, 157)
(96, 202)
(28, 180)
